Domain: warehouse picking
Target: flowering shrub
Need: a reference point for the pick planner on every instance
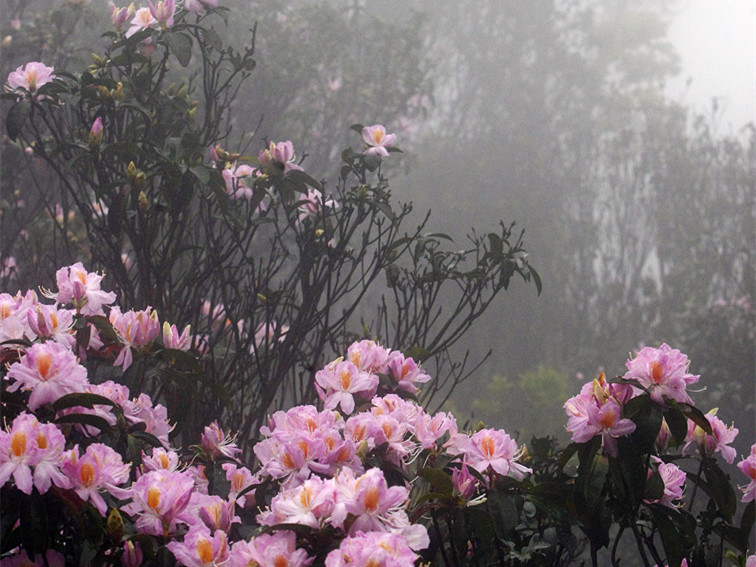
(270, 266)
(262, 268)
(90, 473)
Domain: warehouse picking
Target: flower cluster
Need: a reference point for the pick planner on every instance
(321, 463)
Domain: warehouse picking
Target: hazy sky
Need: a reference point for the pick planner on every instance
(716, 40)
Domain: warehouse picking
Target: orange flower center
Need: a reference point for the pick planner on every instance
(608, 419)
(346, 379)
(371, 498)
(488, 446)
(204, 550)
(657, 371)
(18, 443)
(153, 497)
(41, 441)
(280, 561)
(44, 362)
(86, 474)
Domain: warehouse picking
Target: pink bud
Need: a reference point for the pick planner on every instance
(95, 134)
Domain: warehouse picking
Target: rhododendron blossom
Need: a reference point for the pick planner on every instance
(374, 550)
(48, 321)
(495, 450)
(597, 410)
(100, 468)
(719, 440)
(158, 497)
(377, 140)
(216, 443)
(172, 339)
(50, 371)
(340, 381)
(663, 372)
(82, 288)
(30, 76)
(163, 11)
(277, 549)
(200, 547)
(135, 329)
(674, 482)
(748, 467)
(143, 19)
(280, 155)
(198, 6)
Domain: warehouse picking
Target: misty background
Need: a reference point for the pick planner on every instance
(618, 135)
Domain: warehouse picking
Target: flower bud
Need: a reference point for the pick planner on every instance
(132, 554)
(95, 134)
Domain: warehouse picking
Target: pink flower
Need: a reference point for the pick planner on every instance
(720, 437)
(240, 479)
(371, 501)
(374, 549)
(47, 321)
(236, 186)
(216, 443)
(135, 329)
(143, 19)
(748, 467)
(30, 76)
(161, 459)
(211, 511)
(119, 16)
(99, 469)
(494, 449)
(269, 550)
(50, 371)
(309, 504)
(279, 156)
(50, 444)
(172, 339)
(464, 483)
(597, 410)
(313, 204)
(163, 11)
(200, 548)
(198, 6)
(674, 482)
(340, 381)
(82, 288)
(663, 372)
(18, 452)
(405, 372)
(369, 356)
(377, 140)
(158, 498)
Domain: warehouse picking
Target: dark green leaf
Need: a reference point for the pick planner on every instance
(180, 45)
(721, 488)
(84, 419)
(84, 400)
(16, 118)
(439, 480)
(678, 424)
(148, 438)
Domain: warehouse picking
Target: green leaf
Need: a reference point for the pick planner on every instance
(180, 45)
(16, 118)
(84, 419)
(696, 416)
(84, 400)
(357, 128)
(439, 480)
(676, 532)
(678, 424)
(148, 438)
(212, 38)
(125, 151)
(647, 416)
(495, 244)
(721, 488)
